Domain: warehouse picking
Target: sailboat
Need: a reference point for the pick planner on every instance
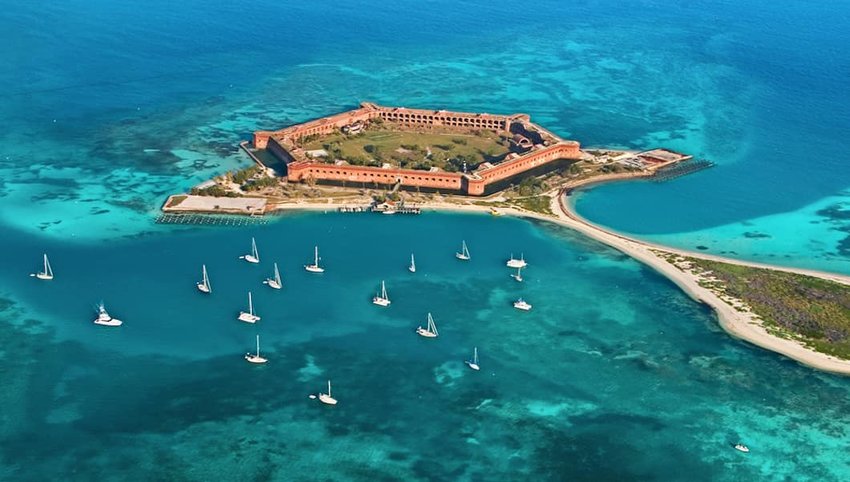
(256, 358)
(103, 317)
(254, 257)
(315, 268)
(204, 285)
(464, 253)
(382, 299)
(741, 448)
(474, 362)
(412, 267)
(47, 274)
(326, 398)
(249, 317)
(517, 263)
(430, 331)
(274, 282)
(521, 304)
(518, 275)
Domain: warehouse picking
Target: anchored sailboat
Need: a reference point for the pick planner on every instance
(315, 268)
(521, 304)
(430, 331)
(326, 398)
(517, 263)
(204, 285)
(254, 257)
(275, 281)
(518, 275)
(412, 267)
(474, 362)
(256, 358)
(103, 317)
(47, 273)
(382, 299)
(464, 253)
(249, 317)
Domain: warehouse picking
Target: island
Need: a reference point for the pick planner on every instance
(396, 160)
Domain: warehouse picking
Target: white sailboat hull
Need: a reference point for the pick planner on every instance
(473, 365)
(273, 284)
(516, 263)
(44, 276)
(250, 258)
(462, 257)
(108, 322)
(312, 268)
(412, 269)
(427, 334)
(203, 288)
(522, 306)
(248, 317)
(252, 358)
(327, 399)
(517, 277)
(381, 301)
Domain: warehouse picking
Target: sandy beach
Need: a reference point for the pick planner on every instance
(740, 324)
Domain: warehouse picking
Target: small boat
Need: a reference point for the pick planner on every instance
(389, 211)
(521, 304)
(518, 275)
(430, 331)
(517, 263)
(104, 319)
(249, 317)
(47, 273)
(204, 285)
(275, 281)
(464, 253)
(326, 398)
(382, 299)
(741, 448)
(496, 212)
(256, 358)
(412, 267)
(474, 362)
(315, 268)
(254, 257)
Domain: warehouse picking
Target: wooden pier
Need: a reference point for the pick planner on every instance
(681, 169)
(211, 220)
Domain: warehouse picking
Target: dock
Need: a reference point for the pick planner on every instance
(681, 169)
(189, 219)
(185, 203)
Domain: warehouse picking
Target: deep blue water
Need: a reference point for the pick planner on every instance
(107, 107)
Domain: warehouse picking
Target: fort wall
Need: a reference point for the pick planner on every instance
(283, 144)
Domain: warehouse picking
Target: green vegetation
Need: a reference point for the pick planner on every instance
(412, 150)
(813, 310)
(241, 176)
(215, 191)
(538, 204)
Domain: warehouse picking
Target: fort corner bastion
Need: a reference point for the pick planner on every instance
(529, 148)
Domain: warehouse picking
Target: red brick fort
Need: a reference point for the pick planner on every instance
(541, 148)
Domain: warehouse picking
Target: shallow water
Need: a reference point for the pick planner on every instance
(613, 374)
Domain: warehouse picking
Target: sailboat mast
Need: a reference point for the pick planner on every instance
(329, 388)
(316, 256)
(250, 304)
(258, 346)
(276, 274)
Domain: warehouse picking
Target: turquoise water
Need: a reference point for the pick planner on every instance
(641, 385)
(107, 107)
